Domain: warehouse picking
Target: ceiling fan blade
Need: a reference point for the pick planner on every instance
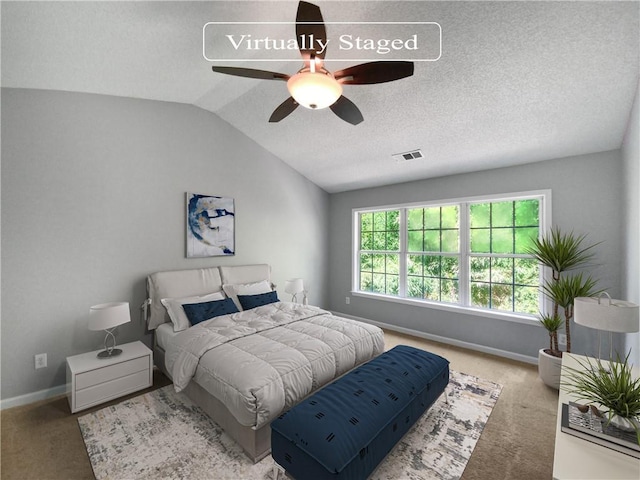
(310, 31)
(374, 72)
(284, 109)
(251, 73)
(347, 110)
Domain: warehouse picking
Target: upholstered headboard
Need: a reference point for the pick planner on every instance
(200, 281)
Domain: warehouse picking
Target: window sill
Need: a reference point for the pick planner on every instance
(478, 312)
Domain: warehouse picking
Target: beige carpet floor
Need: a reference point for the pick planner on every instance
(43, 440)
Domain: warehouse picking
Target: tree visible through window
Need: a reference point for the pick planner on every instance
(466, 253)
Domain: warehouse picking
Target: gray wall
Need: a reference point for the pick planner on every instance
(631, 257)
(93, 200)
(586, 198)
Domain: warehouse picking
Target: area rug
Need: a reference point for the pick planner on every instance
(164, 435)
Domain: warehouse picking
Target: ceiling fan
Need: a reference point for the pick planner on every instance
(315, 87)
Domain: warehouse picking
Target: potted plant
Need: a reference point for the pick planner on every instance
(560, 252)
(612, 387)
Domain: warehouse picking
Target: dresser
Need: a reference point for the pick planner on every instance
(578, 459)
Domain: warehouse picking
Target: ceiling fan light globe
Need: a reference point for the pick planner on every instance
(314, 90)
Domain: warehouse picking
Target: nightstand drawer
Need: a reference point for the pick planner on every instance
(112, 389)
(112, 372)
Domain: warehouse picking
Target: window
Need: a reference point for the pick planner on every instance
(469, 253)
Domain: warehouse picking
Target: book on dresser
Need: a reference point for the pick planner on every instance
(597, 429)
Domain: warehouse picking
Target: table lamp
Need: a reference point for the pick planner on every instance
(107, 316)
(612, 316)
(293, 287)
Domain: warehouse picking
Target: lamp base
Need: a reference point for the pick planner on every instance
(114, 352)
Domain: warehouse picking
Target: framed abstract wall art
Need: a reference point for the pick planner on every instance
(210, 225)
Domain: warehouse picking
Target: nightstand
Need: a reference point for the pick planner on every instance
(92, 380)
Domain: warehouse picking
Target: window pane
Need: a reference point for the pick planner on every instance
(449, 267)
(378, 263)
(450, 241)
(393, 241)
(502, 270)
(379, 240)
(479, 268)
(502, 214)
(526, 300)
(414, 219)
(415, 241)
(450, 216)
(432, 266)
(527, 272)
(366, 262)
(449, 291)
(414, 265)
(393, 220)
(366, 241)
(502, 297)
(502, 240)
(393, 264)
(366, 222)
(527, 213)
(524, 237)
(432, 289)
(480, 295)
(379, 283)
(392, 285)
(415, 287)
(432, 217)
(480, 215)
(481, 240)
(366, 281)
(379, 221)
(432, 241)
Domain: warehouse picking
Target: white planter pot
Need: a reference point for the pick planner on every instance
(627, 424)
(549, 369)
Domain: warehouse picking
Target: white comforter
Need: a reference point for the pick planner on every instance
(261, 361)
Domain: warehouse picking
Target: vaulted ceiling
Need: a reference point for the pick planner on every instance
(517, 82)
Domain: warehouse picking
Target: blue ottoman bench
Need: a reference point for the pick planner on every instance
(345, 430)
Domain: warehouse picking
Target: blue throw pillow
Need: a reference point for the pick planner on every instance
(252, 301)
(199, 312)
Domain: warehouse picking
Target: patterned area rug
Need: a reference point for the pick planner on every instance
(163, 434)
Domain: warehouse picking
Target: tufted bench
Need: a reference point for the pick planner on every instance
(345, 430)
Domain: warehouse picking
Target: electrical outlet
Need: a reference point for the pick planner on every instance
(347, 300)
(562, 339)
(41, 360)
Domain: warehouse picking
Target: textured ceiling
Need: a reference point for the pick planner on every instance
(517, 82)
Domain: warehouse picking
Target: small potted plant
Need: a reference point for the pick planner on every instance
(560, 252)
(611, 387)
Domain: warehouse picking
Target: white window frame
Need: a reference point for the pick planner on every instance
(463, 307)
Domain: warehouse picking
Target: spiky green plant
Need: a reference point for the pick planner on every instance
(552, 323)
(561, 252)
(564, 291)
(612, 386)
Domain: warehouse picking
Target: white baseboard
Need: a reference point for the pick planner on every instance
(449, 341)
(33, 397)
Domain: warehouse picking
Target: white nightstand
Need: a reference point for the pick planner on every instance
(92, 380)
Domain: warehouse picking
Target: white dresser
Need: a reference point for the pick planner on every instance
(92, 380)
(578, 459)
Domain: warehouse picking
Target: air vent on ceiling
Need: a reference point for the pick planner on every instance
(406, 156)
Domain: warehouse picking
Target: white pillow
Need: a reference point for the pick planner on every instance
(233, 291)
(176, 312)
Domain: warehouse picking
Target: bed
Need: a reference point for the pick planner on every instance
(258, 356)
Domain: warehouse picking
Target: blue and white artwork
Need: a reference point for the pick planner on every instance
(210, 225)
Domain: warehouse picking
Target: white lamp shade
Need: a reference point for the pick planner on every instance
(606, 314)
(108, 315)
(293, 286)
(314, 90)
